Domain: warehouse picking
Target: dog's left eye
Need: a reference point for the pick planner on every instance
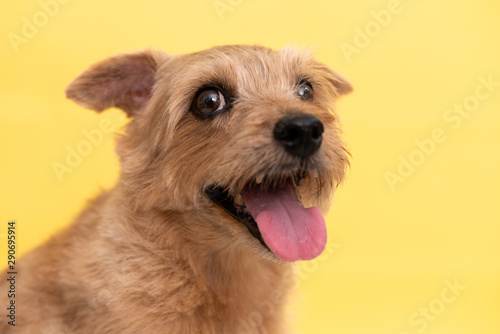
(209, 101)
(305, 90)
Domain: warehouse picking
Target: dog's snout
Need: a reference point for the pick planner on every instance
(300, 135)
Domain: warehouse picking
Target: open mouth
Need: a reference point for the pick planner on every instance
(272, 211)
(222, 198)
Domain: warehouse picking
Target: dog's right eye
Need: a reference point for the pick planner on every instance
(208, 102)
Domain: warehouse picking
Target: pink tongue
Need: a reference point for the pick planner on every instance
(291, 231)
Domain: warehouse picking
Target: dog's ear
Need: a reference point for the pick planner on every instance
(124, 81)
(341, 84)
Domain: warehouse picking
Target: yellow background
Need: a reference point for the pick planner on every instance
(391, 251)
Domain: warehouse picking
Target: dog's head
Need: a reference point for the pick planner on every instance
(245, 133)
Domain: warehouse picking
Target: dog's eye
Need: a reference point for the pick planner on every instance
(209, 101)
(305, 90)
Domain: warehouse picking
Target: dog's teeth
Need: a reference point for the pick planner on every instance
(238, 200)
(259, 179)
(298, 178)
(315, 173)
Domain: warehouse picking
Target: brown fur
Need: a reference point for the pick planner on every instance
(154, 254)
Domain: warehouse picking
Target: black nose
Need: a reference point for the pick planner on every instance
(300, 135)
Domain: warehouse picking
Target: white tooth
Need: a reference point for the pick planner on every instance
(259, 178)
(238, 199)
(315, 173)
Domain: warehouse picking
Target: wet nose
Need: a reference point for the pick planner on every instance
(300, 135)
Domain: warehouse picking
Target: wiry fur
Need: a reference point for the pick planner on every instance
(154, 254)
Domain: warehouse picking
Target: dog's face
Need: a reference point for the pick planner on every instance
(243, 133)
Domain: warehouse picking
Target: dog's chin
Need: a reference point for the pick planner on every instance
(234, 204)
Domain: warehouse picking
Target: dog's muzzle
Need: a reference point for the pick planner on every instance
(270, 206)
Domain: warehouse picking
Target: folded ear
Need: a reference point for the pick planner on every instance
(124, 81)
(340, 83)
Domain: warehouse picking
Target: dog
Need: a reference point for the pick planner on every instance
(229, 163)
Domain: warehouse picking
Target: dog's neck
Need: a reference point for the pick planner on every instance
(228, 271)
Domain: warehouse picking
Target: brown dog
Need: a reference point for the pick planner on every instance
(230, 156)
